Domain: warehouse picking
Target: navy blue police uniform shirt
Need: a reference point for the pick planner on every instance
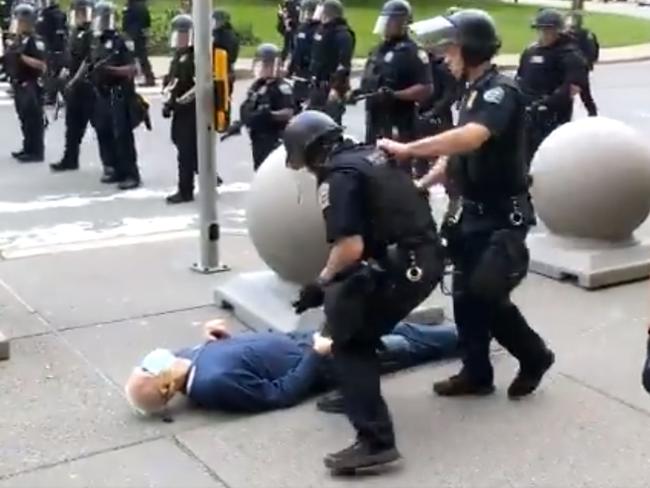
(251, 372)
(33, 47)
(341, 201)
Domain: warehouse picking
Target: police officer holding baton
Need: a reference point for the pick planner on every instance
(486, 233)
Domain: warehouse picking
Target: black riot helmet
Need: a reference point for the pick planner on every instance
(81, 12)
(394, 18)
(182, 28)
(220, 17)
(308, 139)
(266, 61)
(548, 18)
(24, 18)
(471, 29)
(331, 10)
(104, 17)
(308, 10)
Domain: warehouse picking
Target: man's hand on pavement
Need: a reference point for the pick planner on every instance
(216, 330)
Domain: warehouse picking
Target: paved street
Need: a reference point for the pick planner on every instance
(91, 279)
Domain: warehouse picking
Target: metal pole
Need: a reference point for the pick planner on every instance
(209, 227)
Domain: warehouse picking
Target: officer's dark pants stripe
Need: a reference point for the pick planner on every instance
(184, 138)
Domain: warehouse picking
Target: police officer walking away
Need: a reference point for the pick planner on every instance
(79, 91)
(550, 72)
(588, 44)
(331, 61)
(486, 234)
(25, 62)
(53, 29)
(300, 62)
(113, 71)
(397, 75)
(269, 104)
(136, 21)
(226, 38)
(180, 105)
(385, 259)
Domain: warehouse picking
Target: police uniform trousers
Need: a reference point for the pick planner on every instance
(183, 132)
(319, 100)
(263, 144)
(141, 54)
(28, 100)
(55, 62)
(359, 309)
(78, 113)
(587, 98)
(112, 122)
(483, 313)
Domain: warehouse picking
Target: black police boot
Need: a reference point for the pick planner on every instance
(331, 403)
(148, 83)
(30, 158)
(219, 180)
(64, 165)
(359, 455)
(528, 379)
(129, 184)
(179, 197)
(17, 154)
(462, 385)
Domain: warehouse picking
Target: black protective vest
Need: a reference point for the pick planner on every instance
(324, 61)
(497, 170)
(397, 212)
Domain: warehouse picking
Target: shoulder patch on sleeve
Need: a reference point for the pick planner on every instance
(40, 45)
(424, 57)
(129, 44)
(285, 89)
(494, 95)
(324, 195)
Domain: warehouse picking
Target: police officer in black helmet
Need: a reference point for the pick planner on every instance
(550, 73)
(269, 104)
(301, 55)
(225, 37)
(79, 92)
(397, 77)
(385, 259)
(25, 63)
(136, 22)
(180, 105)
(331, 60)
(486, 233)
(587, 43)
(113, 72)
(53, 28)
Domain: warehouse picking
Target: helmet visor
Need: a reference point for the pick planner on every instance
(435, 32)
(265, 68)
(103, 23)
(80, 16)
(318, 13)
(381, 25)
(13, 26)
(181, 39)
(307, 15)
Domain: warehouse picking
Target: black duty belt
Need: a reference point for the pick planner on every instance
(514, 207)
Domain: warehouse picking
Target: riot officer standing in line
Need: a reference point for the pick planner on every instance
(225, 37)
(288, 19)
(136, 22)
(180, 105)
(397, 77)
(301, 55)
(25, 62)
(113, 72)
(588, 44)
(385, 259)
(550, 73)
(269, 104)
(486, 233)
(53, 28)
(79, 91)
(331, 61)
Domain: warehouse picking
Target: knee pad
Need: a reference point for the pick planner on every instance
(502, 266)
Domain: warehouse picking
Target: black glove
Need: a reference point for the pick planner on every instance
(311, 296)
(167, 111)
(385, 94)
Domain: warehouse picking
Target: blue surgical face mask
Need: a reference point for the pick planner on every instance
(157, 361)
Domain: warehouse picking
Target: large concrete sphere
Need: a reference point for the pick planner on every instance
(285, 222)
(591, 179)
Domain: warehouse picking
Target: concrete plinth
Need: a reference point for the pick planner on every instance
(592, 264)
(4, 347)
(261, 300)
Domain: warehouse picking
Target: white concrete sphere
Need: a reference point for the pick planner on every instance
(285, 221)
(591, 179)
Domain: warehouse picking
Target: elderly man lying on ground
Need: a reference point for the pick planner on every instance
(255, 372)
